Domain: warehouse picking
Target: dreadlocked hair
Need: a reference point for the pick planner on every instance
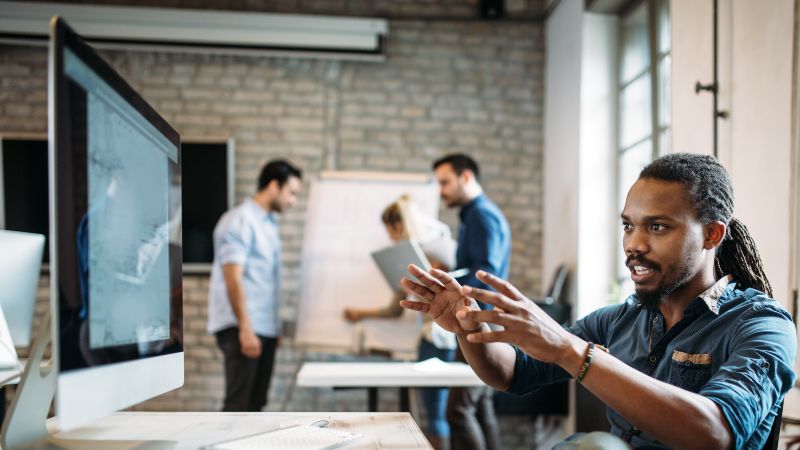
(711, 193)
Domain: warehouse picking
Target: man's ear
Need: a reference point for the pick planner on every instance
(714, 234)
(274, 186)
(467, 175)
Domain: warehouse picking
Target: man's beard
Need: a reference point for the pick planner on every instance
(276, 206)
(652, 299)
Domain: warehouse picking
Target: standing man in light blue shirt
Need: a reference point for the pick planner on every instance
(244, 290)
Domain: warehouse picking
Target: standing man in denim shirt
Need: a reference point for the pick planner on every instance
(244, 290)
(484, 243)
(699, 357)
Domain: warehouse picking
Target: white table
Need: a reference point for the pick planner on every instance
(374, 375)
(190, 430)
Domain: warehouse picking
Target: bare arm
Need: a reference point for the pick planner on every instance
(390, 311)
(493, 362)
(674, 416)
(249, 342)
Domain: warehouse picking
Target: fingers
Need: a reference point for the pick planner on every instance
(425, 278)
(463, 321)
(415, 306)
(445, 279)
(496, 317)
(486, 337)
(492, 298)
(500, 285)
(418, 289)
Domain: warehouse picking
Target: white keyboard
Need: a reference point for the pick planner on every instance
(299, 437)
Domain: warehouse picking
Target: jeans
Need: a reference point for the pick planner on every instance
(435, 399)
(470, 412)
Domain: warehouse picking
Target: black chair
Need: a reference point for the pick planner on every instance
(552, 399)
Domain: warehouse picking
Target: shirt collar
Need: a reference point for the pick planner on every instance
(712, 295)
(258, 211)
(469, 206)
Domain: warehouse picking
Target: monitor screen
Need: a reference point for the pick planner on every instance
(116, 237)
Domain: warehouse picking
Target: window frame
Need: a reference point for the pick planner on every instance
(658, 23)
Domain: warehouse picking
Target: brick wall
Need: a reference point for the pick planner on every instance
(446, 86)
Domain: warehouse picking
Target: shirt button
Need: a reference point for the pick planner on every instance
(653, 359)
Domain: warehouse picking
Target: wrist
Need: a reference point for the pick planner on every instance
(574, 356)
(482, 327)
(592, 349)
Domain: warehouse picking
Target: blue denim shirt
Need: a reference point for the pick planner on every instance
(484, 242)
(738, 350)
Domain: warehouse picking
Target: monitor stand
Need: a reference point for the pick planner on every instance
(25, 425)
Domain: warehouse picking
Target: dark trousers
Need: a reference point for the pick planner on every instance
(470, 413)
(246, 380)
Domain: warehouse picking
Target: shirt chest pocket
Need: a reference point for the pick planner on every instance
(690, 371)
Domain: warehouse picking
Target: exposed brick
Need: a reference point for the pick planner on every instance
(468, 86)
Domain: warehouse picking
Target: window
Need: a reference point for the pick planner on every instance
(207, 192)
(24, 196)
(207, 177)
(644, 101)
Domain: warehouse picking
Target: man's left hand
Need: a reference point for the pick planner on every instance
(524, 324)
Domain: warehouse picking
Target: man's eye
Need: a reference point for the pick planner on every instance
(626, 226)
(658, 227)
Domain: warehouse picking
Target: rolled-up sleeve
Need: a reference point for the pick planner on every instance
(233, 243)
(757, 374)
(531, 374)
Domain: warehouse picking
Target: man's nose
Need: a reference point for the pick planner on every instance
(635, 243)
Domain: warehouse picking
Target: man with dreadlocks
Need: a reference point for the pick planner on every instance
(700, 356)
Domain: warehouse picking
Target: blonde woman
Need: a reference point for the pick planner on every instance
(405, 221)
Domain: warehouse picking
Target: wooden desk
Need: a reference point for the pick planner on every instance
(374, 375)
(190, 430)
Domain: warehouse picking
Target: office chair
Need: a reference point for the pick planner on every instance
(554, 303)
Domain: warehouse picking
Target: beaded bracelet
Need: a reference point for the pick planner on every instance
(588, 360)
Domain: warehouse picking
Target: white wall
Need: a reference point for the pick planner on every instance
(597, 169)
(692, 61)
(756, 88)
(562, 139)
(757, 151)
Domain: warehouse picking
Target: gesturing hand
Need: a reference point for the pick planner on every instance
(444, 297)
(524, 324)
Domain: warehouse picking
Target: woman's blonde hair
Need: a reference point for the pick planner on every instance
(405, 212)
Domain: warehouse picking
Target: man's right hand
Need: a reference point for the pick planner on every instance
(250, 343)
(444, 299)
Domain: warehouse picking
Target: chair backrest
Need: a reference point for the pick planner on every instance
(775, 432)
(556, 291)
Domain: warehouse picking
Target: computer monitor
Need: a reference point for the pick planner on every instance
(20, 264)
(115, 199)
